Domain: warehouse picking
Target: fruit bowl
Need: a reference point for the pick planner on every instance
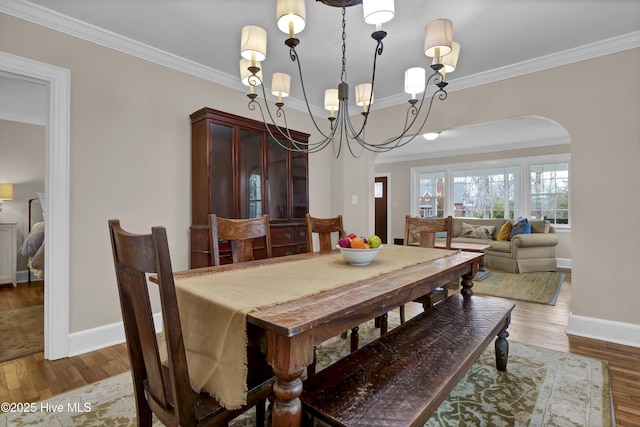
(358, 256)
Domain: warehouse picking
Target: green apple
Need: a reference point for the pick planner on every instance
(374, 241)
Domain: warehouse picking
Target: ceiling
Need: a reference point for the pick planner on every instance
(499, 38)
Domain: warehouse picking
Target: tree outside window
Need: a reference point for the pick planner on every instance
(550, 192)
(486, 193)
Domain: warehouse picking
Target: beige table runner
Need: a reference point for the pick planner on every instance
(213, 309)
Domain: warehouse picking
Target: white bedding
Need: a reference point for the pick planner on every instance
(33, 247)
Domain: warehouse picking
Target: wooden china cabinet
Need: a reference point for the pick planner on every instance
(239, 171)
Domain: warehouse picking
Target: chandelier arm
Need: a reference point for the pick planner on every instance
(298, 146)
(416, 113)
(339, 127)
(441, 95)
(279, 113)
(295, 58)
(356, 135)
(360, 142)
(396, 141)
(253, 105)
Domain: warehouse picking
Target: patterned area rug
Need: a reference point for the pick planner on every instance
(541, 287)
(21, 332)
(540, 387)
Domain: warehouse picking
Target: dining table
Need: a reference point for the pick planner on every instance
(298, 301)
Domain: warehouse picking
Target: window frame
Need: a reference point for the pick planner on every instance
(524, 164)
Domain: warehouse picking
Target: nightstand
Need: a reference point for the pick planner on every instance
(8, 252)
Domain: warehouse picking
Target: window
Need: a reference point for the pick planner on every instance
(377, 190)
(255, 195)
(431, 195)
(550, 192)
(486, 193)
(536, 187)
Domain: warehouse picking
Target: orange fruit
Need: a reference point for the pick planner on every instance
(357, 243)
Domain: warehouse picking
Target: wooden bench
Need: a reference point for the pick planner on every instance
(401, 378)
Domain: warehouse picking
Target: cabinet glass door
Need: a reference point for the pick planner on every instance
(299, 184)
(277, 183)
(251, 175)
(221, 164)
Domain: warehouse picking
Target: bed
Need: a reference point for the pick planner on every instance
(33, 245)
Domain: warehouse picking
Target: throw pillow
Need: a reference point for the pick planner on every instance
(477, 231)
(505, 231)
(520, 226)
(539, 226)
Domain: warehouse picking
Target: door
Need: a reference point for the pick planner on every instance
(380, 194)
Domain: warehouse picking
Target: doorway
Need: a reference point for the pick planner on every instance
(381, 200)
(56, 299)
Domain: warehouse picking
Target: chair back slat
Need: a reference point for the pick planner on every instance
(324, 227)
(135, 256)
(241, 233)
(426, 228)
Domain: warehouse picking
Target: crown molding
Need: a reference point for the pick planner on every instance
(581, 53)
(42, 16)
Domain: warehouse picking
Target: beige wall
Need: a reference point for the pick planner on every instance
(130, 159)
(601, 117)
(130, 155)
(22, 150)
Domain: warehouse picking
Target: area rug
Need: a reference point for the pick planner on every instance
(541, 287)
(541, 387)
(21, 332)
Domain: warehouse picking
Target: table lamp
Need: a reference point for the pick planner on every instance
(6, 193)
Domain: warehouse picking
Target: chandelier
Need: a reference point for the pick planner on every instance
(438, 44)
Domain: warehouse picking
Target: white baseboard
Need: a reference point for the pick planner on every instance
(102, 336)
(604, 330)
(563, 263)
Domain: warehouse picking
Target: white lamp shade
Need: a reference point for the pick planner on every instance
(245, 74)
(363, 94)
(6, 191)
(414, 80)
(450, 61)
(378, 11)
(291, 15)
(280, 84)
(253, 43)
(331, 101)
(438, 34)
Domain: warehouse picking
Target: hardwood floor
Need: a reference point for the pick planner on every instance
(32, 378)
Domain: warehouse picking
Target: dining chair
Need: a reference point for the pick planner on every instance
(163, 388)
(423, 231)
(241, 233)
(324, 227)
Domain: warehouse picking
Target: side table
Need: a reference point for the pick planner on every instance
(8, 252)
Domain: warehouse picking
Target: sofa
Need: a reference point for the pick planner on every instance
(522, 253)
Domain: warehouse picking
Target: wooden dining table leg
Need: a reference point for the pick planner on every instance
(289, 357)
(467, 281)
